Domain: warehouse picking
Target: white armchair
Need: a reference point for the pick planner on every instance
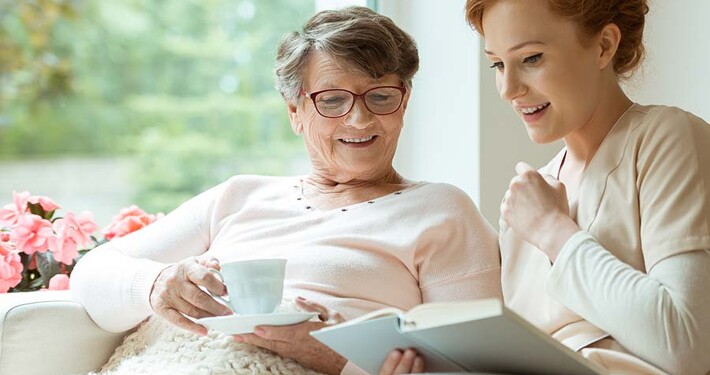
(49, 333)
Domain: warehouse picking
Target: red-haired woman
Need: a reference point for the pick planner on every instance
(606, 247)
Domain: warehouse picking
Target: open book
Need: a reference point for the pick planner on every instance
(474, 336)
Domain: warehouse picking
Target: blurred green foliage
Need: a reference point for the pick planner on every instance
(184, 86)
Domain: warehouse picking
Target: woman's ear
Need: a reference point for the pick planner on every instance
(294, 118)
(609, 39)
(406, 100)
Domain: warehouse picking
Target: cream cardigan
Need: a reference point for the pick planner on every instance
(640, 269)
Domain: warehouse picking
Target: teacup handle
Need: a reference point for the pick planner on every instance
(221, 278)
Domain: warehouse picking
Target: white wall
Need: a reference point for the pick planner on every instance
(677, 68)
(440, 139)
(473, 139)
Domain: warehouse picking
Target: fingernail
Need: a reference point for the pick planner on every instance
(260, 332)
(238, 338)
(299, 298)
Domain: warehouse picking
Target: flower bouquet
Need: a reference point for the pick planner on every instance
(39, 249)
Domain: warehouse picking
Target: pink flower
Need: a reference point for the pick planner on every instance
(5, 245)
(79, 228)
(11, 212)
(71, 232)
(127, 221)
(47, 204)
(10, 265)
(59, 281)
(32, 234)
(63, 246)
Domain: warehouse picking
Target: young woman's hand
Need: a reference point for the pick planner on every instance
(536, 208)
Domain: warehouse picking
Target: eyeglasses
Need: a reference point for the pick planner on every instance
(334, 103)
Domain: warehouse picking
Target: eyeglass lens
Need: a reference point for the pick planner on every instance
(380, 101)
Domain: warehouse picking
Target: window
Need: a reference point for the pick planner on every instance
(108, 103)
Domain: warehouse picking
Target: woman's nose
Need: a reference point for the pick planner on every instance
(509, 85)
(359, 117)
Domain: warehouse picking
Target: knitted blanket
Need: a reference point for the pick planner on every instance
(159, 348)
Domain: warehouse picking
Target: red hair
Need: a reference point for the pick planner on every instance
(591, 16)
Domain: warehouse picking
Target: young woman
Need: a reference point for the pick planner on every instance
(606, 247)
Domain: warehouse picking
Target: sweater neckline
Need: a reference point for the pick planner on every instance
(306, 205)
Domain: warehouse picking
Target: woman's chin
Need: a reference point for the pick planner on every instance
(541, 138)
(364, 163)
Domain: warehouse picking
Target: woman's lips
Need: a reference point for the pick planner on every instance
(536, 114)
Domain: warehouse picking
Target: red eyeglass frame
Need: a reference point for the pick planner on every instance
(313, 95)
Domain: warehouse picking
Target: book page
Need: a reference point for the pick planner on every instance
(389, 311)
(439, 313)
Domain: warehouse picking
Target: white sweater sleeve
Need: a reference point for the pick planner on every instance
(114, 288)
(114, 281)
(663, 316)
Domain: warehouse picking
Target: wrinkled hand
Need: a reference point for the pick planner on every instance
(296, 343)
(398, 362)
(176, 293)
(536, 208)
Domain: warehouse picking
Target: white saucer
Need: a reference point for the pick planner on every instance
(239, 324)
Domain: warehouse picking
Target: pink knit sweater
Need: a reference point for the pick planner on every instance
(425, 243)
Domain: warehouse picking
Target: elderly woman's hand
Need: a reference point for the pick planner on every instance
(398, 362)
(296, 343)
(176, 292)
(536, 208)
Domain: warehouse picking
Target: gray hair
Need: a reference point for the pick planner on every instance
(356, 37)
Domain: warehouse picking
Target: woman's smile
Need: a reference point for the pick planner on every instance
(359, 142)
(532, 114)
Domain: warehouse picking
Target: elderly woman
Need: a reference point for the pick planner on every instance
(357, 235)
(623, 276)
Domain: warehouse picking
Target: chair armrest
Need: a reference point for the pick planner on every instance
(47, 332)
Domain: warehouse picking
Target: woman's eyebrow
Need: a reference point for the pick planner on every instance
(517, 46)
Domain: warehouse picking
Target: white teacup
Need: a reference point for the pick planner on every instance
(253, 286)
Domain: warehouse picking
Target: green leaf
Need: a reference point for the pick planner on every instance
(36, 284)
(47, 266)
(36, 209)
(31, 281)
(97, 242)
(48, 215)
